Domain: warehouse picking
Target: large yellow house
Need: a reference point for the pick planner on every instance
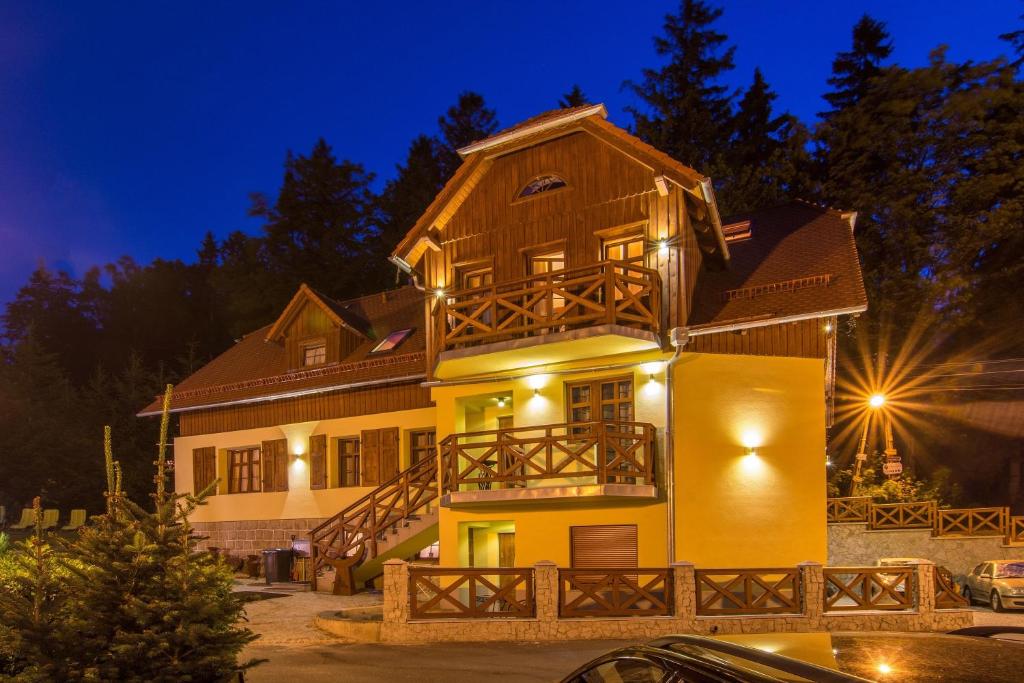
(589, 366)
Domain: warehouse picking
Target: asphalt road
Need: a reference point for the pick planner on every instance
(452, 662)
(439, 662)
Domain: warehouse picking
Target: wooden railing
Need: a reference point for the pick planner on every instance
(577, 453)
(748, 591)
(972, 522)
(1015, 529)
(869, 588)
(614, 592)
(990, 521)
(852, 509)
(344, 540)
(609, 292)
(946, 596)
(918, 515)
(471, 593)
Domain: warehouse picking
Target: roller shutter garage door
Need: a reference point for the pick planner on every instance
(607, 546)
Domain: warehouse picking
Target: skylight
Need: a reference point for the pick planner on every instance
(540, 184)
(391, 341)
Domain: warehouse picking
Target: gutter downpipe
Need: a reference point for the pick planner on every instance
(679, 337)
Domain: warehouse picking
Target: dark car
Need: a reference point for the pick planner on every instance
(977, 654)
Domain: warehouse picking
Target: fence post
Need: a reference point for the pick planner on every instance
(396, 591)
(925, 586)
(684, 594)
(812, 578)
(545, 577)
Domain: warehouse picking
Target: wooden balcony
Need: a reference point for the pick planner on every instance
(559, 462)
(606, 308)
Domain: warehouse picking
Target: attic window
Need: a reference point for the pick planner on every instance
(314, 354)
(541, 184)
(736, 232)
(392, 341)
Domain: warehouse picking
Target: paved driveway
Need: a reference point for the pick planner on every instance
(296, 650)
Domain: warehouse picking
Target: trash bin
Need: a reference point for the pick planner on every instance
(277, 564)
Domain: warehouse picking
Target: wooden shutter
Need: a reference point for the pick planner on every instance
(204, 468)
(388, 454)
(610, 546)
(369, 458)
(318, 461)
(275, 465)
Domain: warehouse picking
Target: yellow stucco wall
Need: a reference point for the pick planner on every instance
(299, 501)
(740, 510)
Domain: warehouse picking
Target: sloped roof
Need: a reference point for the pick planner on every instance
(336, 311)
(800, 260)
(255, 369)
(590, 118)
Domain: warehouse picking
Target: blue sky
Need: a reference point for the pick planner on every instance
(133, 129)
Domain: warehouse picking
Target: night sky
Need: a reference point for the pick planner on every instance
(133, 129)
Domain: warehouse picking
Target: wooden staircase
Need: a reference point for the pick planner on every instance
(394, 520)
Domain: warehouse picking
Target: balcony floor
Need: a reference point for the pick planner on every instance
(585, 493)
(545, 349)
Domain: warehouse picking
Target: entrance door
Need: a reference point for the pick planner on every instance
(507, 549)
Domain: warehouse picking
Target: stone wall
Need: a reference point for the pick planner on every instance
(854, 545)
(398, 627)
(250, 537)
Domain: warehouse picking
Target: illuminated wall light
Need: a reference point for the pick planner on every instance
(536, 382)
(651, 369)
(828, 328)
(501, 402)
(876, 401)
(751, 438)
(536, 392)
(884, 669)
(751, 463)
(663, 248)
(439, 293)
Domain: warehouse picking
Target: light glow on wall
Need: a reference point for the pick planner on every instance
(752, 465)
(752, 438)
(537, 382)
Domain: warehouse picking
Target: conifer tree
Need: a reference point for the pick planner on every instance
(573, 98)
(146, 605)
(853, 70)
(468, 120)
(766, 160)
(34, 639)
(409, 193)
(687, 110)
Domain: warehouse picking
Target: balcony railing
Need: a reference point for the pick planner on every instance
(577, 453)
(605, 293)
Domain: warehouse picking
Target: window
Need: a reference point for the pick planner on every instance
(543, 183)
(476, 277)
(204, 468)
(244, 470)
(629, 248)
(546, 262)
(314, 354)
(600, 400)
(275, 465)
(348, 462)
(392, 340)
(318, 461)
(421, 446)
(626, 670)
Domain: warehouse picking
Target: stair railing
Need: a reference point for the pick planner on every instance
(351, 536)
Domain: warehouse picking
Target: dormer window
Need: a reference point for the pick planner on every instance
(314, 354)
(544, 183)
(392, 341)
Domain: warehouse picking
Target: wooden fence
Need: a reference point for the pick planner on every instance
(946, 595)
(614, 592)
(748, 591)
(468, 593)
(869, 588)
(990, 521)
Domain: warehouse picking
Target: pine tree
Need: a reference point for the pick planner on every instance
(34, 640)
(146, 605)
(573, 98)
(409, 193)
(687, 110)
(853, 70)
(468, 120)
(766, 160)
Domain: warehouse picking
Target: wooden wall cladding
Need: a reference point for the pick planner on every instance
(804, 339)
(324, 406)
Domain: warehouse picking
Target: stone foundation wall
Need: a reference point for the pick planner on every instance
(853, 545)
(397, 626)
(250, 537)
